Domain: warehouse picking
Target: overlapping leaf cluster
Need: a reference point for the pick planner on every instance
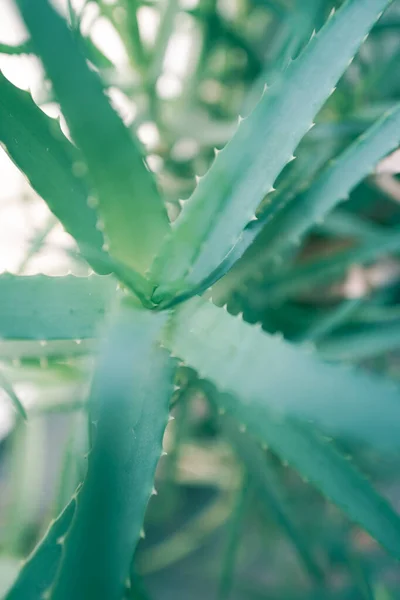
(174, 293)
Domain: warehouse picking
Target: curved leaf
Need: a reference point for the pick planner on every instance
(227, 197)
(267, 373)
(318, 462)
(37, 146)
(39, 569)
(129, 410)
(42, 308)
(134, 217)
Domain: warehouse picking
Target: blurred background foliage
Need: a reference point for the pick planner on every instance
(225, 523)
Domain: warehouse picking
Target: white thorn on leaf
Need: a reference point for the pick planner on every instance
(171, 418)
(142, 534)
(154, 492)
(163, 453)
(332, 13)
(43, 342)
(242, 428)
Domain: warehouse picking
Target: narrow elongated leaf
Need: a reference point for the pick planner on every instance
(318, 462)
(335, 183)
(7, 386)
(134, 217)
(326, 269)
(270, 492)
(39, 569)
(37, 146)
(234, 537)
(267, 373)
(39, 307)
(335, 317)
(361, 344)
(129, 409)
(227, 197)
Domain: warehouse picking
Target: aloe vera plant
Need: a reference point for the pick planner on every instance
(193, 305)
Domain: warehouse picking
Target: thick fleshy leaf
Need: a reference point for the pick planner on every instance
(270, 492)
(39, 569)
(129, 410)
(267, 373)
(361, 343)
(227, 197)
(8, 387)
(288, 282)
(37, 146)
(130, 207)
(318, 462)
(42, 308)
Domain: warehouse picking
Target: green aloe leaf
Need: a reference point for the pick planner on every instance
(131, 210)
(227, 197)
(289, 282)
(361, 344)
(267, 373)
(43, 308)
(334, 183)
(37, 146)
(8, 387)
(317, 461)
(270, 492)
(332, 186)
(38, 571)
(129, 411)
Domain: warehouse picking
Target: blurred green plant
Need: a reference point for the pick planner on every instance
(219, 307)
